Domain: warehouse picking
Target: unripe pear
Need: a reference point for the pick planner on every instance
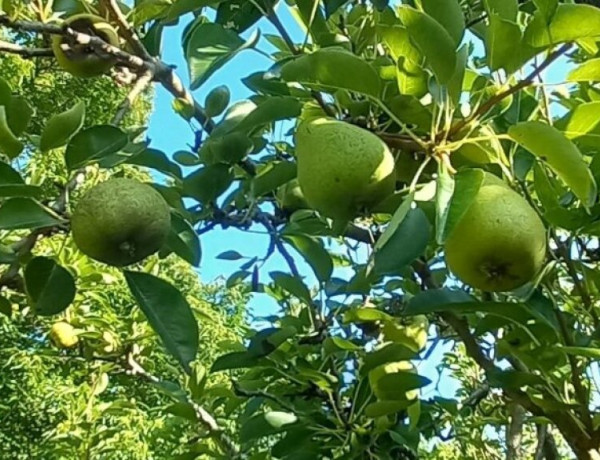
(342, 168)
(499, 244)
(81, 60)
(120, 222)
(63, 335)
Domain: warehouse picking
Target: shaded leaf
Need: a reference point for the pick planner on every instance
(169, 314)
(25, 213)
(314, 253)
(61, 127)
(50, 287)
(93, 144)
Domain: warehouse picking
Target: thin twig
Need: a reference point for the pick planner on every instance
(28, 53)
(139, 86)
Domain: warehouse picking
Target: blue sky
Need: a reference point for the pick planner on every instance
(170, 133)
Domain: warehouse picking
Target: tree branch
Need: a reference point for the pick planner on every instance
(207, 420)
(484, 108)
(514, 432)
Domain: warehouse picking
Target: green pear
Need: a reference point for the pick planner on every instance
(120, 222)
(342, 168)
(499, 244)
(81, 60)
(411, 333)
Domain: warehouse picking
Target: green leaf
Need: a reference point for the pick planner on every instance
(5, 307)
(234, 360)
(208, 183)
(331, 69)
(335, 344)
(268, 340)
(184, 241)
(569, 23)
(547, 8)
(588, 71)
(314, 253)
(230, 255)
(441, 300)
(5, 92)
(217, 101)
(550, 145)
(18, 114)
(592, 353)
(365, 315)
(433, 40)
(395, 222)
(390, 353)
(506, 9)
(25, 213)
(455, 85)
(9, 144)
(292, 285)
(262, 425)
(406, 244)
(410, 110)
(582, 124)
(465, 189)
(383, 408)
(271, 110)
(11, 183)
(50, 287)
(400, 382)
(230, 148)
(209, 47)
(169, 314)
(93, 144)
(449, 14)
(272, 176)
(503, 44)
(412, 79)
(155, 159)
(61, 127)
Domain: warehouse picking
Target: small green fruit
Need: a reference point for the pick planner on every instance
(500, 242)
(290, 197)
(81, 60)
(120, 222)
(63, 335)
(342, 168)
(382, 378)
(413, 334)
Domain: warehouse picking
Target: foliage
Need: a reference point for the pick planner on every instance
(460, 85)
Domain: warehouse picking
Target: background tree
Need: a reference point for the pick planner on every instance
(477, 164)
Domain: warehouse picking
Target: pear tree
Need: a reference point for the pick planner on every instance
(424, 172)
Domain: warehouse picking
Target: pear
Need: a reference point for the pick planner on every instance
(63, 335)
(121, 222)
(342, 168)
(499, 244)
(81, 60)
